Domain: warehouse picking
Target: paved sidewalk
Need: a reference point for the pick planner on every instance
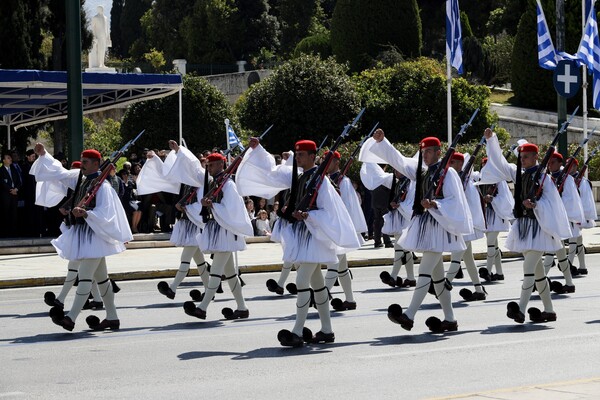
(157, 259)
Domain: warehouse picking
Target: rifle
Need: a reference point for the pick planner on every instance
(105, 168)
(189, 194)
(440, 173)
(584, 167)
(536, 189)
(562, 176)
(466, 171)
(316, 180)
(228, 173)
(402, 190)
(352, 157)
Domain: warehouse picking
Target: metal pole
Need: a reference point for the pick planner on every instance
(449, 95)
(180, 116)
(74, 86)
(584, 86)
(561, 102)
(8, 138)
(227, 139)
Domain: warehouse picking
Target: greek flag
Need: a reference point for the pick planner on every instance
(546, 53)
(454, 35)
(233, 139)
(589, 52)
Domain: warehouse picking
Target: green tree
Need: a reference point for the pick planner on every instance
(409, 100)
(204, 110)
(21, 22)
(361, 29)
(156, 59)
(295, 18)
(131, 29)
(304, 98)
(105, 137)
(318, 44)
(115, 28)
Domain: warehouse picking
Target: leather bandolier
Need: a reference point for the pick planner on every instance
(526, 188)
(211, 185)
(299, 190)
(428, 183)
(86, 181)
(488, 190)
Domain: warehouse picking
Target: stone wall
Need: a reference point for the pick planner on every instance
(233, 85)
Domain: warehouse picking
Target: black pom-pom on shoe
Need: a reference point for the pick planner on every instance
(291, 288)
(514, 312)
(196, 295)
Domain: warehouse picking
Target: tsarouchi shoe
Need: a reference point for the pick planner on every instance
(51, 300)
(95, 324)
(537, 316)
(291, 288)
(289, 339)
(497, 277)
(273, 287)
(514, 312)
(409, 283)
(229, 314)
(58, 317)
(387, 279)
(436, 326)
(190, 309)
(468, 295)
(164, 289)
(321, 337)
(396, 315)
(484, 274)
(196, 295)
(582, 271)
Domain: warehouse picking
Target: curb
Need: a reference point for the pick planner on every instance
(170, 273)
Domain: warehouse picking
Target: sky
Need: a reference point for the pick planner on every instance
(91, 5)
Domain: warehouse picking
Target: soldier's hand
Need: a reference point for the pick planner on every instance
(63, 211)
(79, 212)
(173, 145)
(285, 155)
(300, 215)
(39, 149)
(529, 204)
(180, 207)
(427, 204)
(254, 142)
(150, 154)
(206, 203)
(378, 135)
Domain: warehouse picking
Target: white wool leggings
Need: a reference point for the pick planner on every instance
(307, 276)
(223, 265)
(187, 254)
(534, 274)
(467, 257)
(93, 269)
(340, 270)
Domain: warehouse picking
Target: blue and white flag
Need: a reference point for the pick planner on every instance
(454, 35)
(589, 53)
(233, 139)
(546, 54)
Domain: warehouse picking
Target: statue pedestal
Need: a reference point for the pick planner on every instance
(105, 70)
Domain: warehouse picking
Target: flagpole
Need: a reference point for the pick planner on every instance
(449, 95)
(584, 86)
(227, 139)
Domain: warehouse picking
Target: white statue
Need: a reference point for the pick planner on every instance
(101, 41)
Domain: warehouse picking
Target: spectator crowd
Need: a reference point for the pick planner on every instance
(22, 218)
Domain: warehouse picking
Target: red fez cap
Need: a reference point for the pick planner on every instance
(91, 153)
(336, 154)
(458, 156)
(215, 157)
(76, 164)
(529, 148)
(483, 160)
(305, 145)
(430, 141)
(557, 155)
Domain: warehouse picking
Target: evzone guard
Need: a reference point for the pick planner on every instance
(572, 202)
(540, 224)
(474, 207)
(438, 224)
(312, 235)
(396, 220)
(589, 212)
(226, 226)
(73, 266)
(180, 169)
(341, 269)
(498, 204)
(100, 229)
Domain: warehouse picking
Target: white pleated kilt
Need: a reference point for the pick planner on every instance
(576, 229)
(394, 223)
(588, 224)
(80, 242)
(302, 247)
(424, 233)
(214, 239)
(184, 233)
(340, 251)
(494, 222)
(279, 226)
(477, 234)
(526, 234)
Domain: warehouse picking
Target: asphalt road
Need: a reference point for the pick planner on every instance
(160, 352)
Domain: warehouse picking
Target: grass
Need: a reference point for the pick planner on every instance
(501, 97)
